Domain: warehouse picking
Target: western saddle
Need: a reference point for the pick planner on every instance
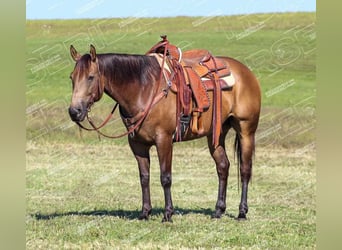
(191, 75)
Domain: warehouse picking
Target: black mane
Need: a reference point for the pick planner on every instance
(128, 68)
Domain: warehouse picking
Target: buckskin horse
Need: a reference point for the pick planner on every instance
(156, 113)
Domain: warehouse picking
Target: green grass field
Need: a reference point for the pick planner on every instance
(83, 193)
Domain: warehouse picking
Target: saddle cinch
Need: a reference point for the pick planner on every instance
(191, 75)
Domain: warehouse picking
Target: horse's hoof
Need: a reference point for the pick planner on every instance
(216, 215)
(167, 219)
(241, 217)
(143, 216)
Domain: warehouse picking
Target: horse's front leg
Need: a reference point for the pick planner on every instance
(142, 155)
(164, 150)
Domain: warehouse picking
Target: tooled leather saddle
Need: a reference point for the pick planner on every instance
(191, 75)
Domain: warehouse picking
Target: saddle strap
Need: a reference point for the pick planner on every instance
(217, 111)
(183, 98)
(217, 100)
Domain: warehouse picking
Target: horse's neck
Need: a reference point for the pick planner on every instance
(127, 91)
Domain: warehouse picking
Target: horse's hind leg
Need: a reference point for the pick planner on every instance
(245, 149)
(142, 155)
(222, 167)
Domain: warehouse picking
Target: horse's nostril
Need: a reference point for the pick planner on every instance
(75, 113)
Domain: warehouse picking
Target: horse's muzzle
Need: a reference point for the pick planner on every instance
(77, 114)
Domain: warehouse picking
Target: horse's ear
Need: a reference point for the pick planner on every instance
(74, 54)
(92, 52)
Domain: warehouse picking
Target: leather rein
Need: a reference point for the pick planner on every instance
(131, 128)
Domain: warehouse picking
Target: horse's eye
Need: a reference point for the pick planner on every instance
(90, 78)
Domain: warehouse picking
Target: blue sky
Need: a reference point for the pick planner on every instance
(69, 9)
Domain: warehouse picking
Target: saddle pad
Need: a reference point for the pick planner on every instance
(159, 58)
(229, 80)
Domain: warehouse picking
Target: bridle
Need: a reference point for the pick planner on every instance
(137, 119)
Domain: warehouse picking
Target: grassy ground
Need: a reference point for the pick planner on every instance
(84, 193)
(84, 196)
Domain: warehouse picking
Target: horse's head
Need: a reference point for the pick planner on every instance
(87, 86)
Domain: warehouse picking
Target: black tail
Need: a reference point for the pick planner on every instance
(237, 148)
